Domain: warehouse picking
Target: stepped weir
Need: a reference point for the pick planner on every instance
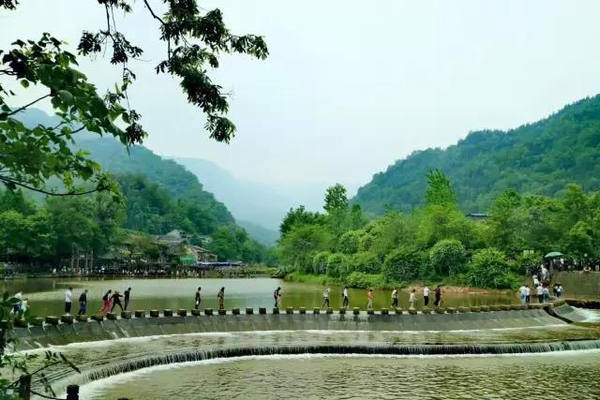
(110, 345)
(61, 331)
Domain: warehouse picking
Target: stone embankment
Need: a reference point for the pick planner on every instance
(54, 330)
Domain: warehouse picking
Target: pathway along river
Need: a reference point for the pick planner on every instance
(46, 296)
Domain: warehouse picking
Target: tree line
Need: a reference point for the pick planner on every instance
(46, 234)
(438, 242)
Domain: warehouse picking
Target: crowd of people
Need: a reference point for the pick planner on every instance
(110, 300)
(541, 289)
(412, 298)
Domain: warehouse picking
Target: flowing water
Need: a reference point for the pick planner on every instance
(552, 376)
(544, 359)
(46, 296)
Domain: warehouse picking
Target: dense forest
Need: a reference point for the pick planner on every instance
(538, 158)
(437, 243)
(155, 197)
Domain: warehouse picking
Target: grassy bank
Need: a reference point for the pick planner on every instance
(376, 281)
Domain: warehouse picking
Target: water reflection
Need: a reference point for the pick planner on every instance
(46, 295)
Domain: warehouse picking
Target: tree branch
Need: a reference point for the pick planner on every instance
(28, 105)
(152, 12)
(23, 185)
(163, 23)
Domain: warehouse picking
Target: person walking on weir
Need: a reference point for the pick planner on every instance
(412, 298)
(326, 293)
(346, 301)
(370, 298)
(523, 293)
(126, 298)
(539, 290)
(395, 298)
(116, 301)
(438, 296)
(221, 297)
(277, 296)
(197, 298)
(83, 303)
(425, 296)
(105, 302)
(68, 300)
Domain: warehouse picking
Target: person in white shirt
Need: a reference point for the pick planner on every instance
(527, 295)
(346, 302)
(411, 299)
(540, 293)
(395, 298)
(544, 273)
(16, 307)
(68, 300)
(523, 291)
(536, 281)
(425, 296)
(326, 298)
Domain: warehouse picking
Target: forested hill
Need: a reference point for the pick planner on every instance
(538, 158)
(167, 175)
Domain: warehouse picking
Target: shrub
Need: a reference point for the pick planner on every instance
(403, 265)
(363, 281)
(447, 257)
(490, 269)
(337, 264)
(319, 263)
(366, 262)
(348, 243)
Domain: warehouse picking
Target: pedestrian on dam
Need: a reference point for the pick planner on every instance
(277, 296)
(395, 298)
(559, 291)
(412, 299)
(539, 290)
(438, 296)
(425, 296)
(527, 294)
(198, 298)
(221, 297)
(370, 298)
(116, 301)
(106, 302)
(326, 294)
(126, 297)
(83, 303)
(523, 294)
(546, 294)
(68, 300)
(346, 301)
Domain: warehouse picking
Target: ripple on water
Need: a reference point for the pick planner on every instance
(563, 375)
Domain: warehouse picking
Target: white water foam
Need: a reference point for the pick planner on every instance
(147, 339)
(589, 314)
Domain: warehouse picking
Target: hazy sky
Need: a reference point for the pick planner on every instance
(351, 86)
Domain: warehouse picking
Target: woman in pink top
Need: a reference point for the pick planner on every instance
(370, 298)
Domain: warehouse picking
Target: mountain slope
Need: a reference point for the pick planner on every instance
(167, 174)
(248, 201)
(537, 158)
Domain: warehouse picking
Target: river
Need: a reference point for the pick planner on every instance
(46, 295)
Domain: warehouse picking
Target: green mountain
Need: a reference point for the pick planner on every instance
(538, 158)
(178, 184)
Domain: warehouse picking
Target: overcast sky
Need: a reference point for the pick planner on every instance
(351, 86)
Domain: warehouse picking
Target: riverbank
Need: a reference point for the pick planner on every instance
(373, 281)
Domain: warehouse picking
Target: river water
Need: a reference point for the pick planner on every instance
(567, 375)
(46, 296)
